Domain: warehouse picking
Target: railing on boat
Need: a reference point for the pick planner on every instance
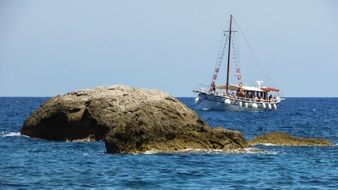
(249, 100)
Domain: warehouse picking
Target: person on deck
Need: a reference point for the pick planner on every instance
(212, 87)
(270, 98)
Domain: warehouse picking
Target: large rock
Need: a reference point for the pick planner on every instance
(283, 139)
(129, 120)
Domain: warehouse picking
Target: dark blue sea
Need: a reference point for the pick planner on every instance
(27, 163)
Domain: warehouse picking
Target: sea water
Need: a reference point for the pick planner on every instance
(30, 163)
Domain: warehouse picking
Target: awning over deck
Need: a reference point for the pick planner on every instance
(270, 89)
(248, 88)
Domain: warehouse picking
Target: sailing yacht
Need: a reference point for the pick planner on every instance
(235, 97)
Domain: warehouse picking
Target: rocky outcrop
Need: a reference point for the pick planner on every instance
(283, 139)
(129, 120)
(172, 137)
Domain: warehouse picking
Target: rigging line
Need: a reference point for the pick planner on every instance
(219, 50)
(235, 54)
(255, 57)
(238, 59)
(219, 59)
(237, 47)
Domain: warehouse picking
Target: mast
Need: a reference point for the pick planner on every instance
(229, 47)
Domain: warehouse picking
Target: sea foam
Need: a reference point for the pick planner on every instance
(13, 134)
(212, 151)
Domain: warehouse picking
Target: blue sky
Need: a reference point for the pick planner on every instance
(51, 47)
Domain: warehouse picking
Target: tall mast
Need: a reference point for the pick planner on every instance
(229, 47)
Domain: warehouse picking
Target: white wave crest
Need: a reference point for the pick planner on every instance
(267, 144)
(13, 134)
(260, 151)
(212, 151)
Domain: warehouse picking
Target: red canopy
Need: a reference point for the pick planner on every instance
(270, 89)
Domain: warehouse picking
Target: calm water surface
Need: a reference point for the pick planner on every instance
(39, 164)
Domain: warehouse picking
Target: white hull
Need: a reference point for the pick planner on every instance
(213, 102)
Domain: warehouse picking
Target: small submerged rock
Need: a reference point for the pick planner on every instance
(284, 139)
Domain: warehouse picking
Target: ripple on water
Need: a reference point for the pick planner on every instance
(30, 163)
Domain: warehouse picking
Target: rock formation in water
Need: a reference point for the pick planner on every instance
(129, 120)
(283, 139)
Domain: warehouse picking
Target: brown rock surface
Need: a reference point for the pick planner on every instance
(283, 139)
(130, 120)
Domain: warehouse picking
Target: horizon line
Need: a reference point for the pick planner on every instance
(174, 96)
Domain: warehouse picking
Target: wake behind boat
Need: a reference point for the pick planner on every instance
(235, 97)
